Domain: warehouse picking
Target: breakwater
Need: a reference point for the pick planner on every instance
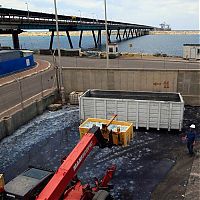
(176, 32)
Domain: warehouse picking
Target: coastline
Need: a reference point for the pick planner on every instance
(88, 33)
(176, 32)
(48, 33)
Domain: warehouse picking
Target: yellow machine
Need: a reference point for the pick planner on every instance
(121, 133)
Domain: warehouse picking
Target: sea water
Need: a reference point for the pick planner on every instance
(165, 44)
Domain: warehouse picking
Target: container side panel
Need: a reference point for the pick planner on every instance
(145, 113)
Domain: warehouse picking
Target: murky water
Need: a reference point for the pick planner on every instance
(47, 139)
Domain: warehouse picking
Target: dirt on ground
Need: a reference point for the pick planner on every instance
(154, 166)
(175, 184)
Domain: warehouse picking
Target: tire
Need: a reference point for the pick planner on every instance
(101, 195)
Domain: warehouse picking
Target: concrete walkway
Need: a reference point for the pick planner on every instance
(83, 62)
(193, 187)
(163, 59)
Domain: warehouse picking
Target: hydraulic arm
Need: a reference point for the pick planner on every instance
(41, 184)
(57, 185)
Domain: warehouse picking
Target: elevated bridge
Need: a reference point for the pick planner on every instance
(14, 21)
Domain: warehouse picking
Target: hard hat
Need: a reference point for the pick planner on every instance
(192, 126)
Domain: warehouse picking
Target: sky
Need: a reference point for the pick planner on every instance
(180, 14)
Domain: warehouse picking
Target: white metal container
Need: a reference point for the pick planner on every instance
(144, 109)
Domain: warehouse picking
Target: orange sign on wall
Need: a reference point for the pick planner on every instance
(165, 84)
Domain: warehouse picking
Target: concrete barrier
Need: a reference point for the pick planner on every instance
(39, 106)
(11, 123)
(187, 82)
(25, 89)
(3, 129)
(30, 111)
(64, 52)
(8, 125)
(17, 120)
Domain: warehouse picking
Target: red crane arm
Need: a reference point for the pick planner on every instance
(57, 185)
(108, 176)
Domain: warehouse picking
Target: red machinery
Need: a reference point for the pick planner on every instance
(64, 184)
(69, 168)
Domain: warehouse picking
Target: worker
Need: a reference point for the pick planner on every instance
(191, 137)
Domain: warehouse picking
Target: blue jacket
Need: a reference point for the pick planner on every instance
(191, 136)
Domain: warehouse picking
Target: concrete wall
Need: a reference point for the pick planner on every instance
(13, 93)
(9, 124)
(187, 82)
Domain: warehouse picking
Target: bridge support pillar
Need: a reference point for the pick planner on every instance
(136, 33)
(99, 38)
(94, 37)
(118, 35)
(132, 31)
(15, 38)
(80, 40)
(69, 39)
(125, 33)
(129, 32)
(146, 32)
(140, 33)
(51, 40)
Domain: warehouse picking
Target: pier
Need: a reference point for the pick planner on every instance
(14, 22)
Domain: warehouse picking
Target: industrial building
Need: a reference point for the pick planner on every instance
(191, 51)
